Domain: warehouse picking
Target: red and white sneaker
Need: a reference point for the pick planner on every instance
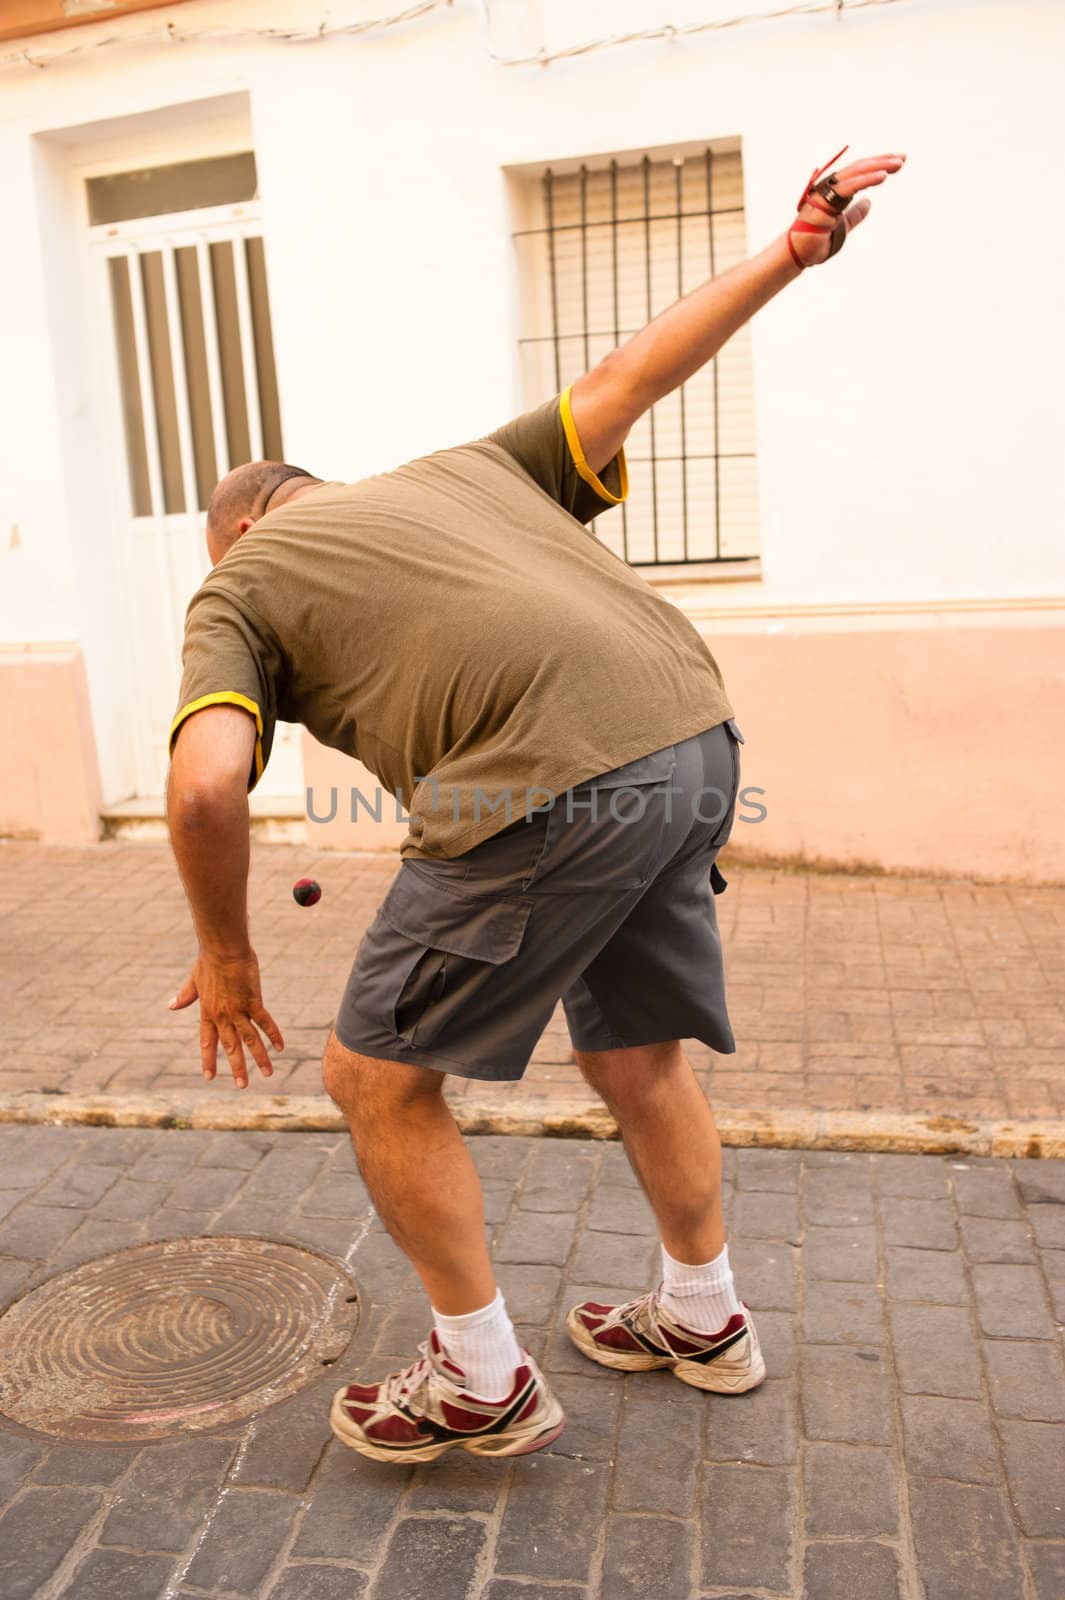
(417, 1414)
(639, 1336)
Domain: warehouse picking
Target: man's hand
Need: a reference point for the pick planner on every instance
(814, 248)
(231, 1014)
(627, 382)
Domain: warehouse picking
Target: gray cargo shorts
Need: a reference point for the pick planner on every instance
(605, 901)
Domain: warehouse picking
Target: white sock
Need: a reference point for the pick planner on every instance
(482, 1343)
(701, 1297)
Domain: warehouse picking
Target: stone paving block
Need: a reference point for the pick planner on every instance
(245, 1537)
(553, 1518)
(205, 1189)
(170, 1157)
(15, 1273)
(843, 1313)
(747, 1527)
(36, 1534)
(241, 1151)
(985, 1191)
(286, 1173)
(965, 1542)
(97, 1237)
(19, 1456)
(936, 1351)
(498, 1201)
(593, 1411)
(536, 1238)
(847, 1571)
(459, 1482)
(1040, 1182)
(930, 1275)
(851, 1489)
(167, 1494)
(33, 1233)
(776, 1334)
(912, 1177)
(1010, 1302)
(647, 1558)
(381, 1270)
(258, 1216)
(351, 1503)
(558, 1176)
(1035, 1472)
(764, 1214)
(1048, 1225)
(127, 1201)
(996, 1239)
(169, 1224)
(761, 1425)
(658, 1456)
(841, 1255)
(83, 1464)
(950, 1439)
(845, 1394)
(1047, 1562)
(618, 1209)
(496, 1156)
(1026, 1379)
(431, 1555)
(77, 1185)
(616, 1168)
(28, 1166)
(336, 1194)
(837, 1196)
(764, 1274)
(310, 1582)
(923, 1224)
(10, 1198)
(773, 1170)
(120, 1575)
(530, 1291)
(616, 1258)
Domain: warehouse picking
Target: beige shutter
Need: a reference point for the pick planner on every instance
(608, 250)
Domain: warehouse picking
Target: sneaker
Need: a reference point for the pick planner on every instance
(639, 1336)
(417, 1414)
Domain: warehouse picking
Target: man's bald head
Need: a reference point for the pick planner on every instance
(242, 497)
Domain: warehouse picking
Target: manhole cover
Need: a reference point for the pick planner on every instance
(172, 1337)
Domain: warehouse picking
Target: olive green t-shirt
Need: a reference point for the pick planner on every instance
(454, 626)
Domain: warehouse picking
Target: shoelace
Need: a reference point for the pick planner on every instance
(402, 1387)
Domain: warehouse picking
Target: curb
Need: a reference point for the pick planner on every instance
(788, 1129)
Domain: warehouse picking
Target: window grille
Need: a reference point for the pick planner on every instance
(609, 248)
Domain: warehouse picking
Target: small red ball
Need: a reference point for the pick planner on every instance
(306, 892)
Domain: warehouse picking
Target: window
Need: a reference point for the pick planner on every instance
(605, 250)
(191, 315)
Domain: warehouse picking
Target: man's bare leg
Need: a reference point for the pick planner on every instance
(419, 1172)
(671, 1139)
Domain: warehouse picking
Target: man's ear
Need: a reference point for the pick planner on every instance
(244, 524)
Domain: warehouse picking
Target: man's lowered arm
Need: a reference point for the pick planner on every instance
(207, 815)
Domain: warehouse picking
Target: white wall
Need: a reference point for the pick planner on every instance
(909, 412)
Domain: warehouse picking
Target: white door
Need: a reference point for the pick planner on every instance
(184, 298)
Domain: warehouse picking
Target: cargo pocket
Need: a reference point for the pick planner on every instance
(453, 941)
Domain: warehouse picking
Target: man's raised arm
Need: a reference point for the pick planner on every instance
(626, 383)
(207, 814)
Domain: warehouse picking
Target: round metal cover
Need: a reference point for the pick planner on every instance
(173, 1337)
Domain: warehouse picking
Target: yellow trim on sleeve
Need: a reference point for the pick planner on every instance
(577, 454)
(228, 697)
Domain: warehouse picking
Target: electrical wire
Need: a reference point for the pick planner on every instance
(171, 34)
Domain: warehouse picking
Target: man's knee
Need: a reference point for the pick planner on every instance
(365, 1086)
(630, 1073)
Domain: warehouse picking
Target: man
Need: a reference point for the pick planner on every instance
(454, 626)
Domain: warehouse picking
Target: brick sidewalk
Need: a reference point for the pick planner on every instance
(905, 1446)
(846, 993)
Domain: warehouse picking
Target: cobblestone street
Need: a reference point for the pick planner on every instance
(846, 993)
(907, 1444)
